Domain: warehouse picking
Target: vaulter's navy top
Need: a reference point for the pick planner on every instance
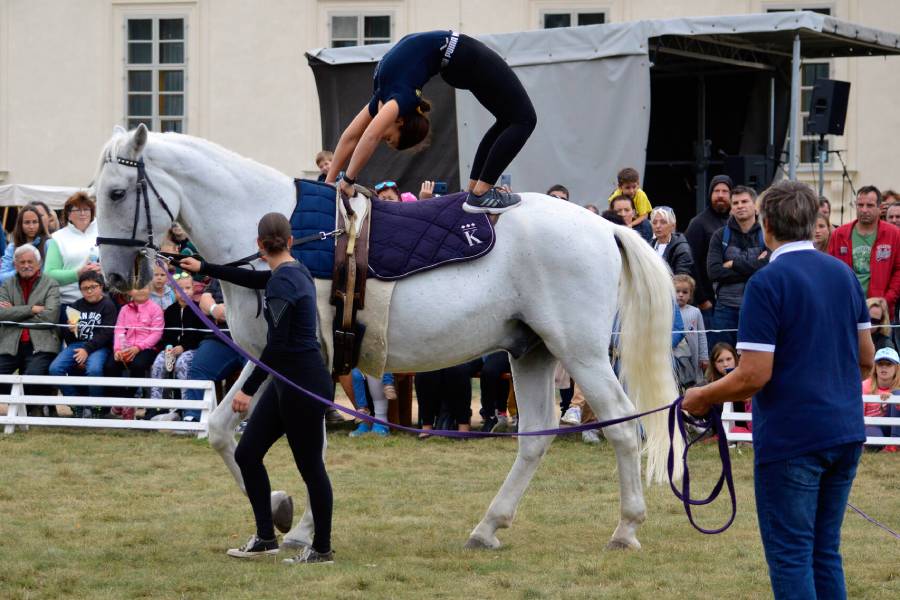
(406, 68)
(290, 313)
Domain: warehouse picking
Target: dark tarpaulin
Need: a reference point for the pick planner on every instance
(345, 89)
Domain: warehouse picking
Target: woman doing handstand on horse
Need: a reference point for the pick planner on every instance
(397, 113)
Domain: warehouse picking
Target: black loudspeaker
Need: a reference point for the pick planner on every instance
(828, 107)
(751, 170)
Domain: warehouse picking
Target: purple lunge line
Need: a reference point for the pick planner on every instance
(365, 417)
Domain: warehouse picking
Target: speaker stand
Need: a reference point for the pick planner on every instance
(823, 156)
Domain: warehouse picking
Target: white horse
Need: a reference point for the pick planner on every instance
(549, 290)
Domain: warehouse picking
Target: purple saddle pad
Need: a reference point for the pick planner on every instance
(411, 237)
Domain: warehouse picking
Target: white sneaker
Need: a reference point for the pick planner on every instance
(591, 436)
(572, 416)
(254, 548)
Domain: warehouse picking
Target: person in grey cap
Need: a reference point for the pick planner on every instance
(700, 231)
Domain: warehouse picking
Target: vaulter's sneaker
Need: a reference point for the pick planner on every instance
(494, 201)
(255, 548)
(308, 556)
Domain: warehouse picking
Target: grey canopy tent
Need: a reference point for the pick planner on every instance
(609, 96)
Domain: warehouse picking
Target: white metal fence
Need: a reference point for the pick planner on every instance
(729, 417)
(18, 402)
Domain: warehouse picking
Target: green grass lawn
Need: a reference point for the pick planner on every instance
(148, 515)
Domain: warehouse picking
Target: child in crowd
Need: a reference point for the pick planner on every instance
(323, 161)
(160, 291)
(88, 338)
(382, 392)
(881, 323)
(138, 329)
(690, 365)
(629, 181)
(822, 233)
(183, 335)
(723, 359)
(884, 381)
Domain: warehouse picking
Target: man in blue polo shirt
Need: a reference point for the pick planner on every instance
(805, 347)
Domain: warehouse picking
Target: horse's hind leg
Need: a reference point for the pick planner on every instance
(533, 380)
(603, 392)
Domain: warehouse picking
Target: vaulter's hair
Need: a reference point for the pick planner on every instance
(790, 208)
(415, 126)
(274, 232)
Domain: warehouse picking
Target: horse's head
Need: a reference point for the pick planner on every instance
(123, 209)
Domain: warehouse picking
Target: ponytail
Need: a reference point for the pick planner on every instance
(415, 127)
(274, 232)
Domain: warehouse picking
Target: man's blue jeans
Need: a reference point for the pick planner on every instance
(724, 317)
(64, 364)
(213, 361)
(800, 503)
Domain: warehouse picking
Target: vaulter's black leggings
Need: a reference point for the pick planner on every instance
(475, 67)
(282, 410)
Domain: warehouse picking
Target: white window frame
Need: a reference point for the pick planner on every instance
(154, 66)
(360, 31)
(573, 14)
(804, 112)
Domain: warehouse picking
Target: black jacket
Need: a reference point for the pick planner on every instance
(743, 250)
(178, 318)
(678, 255)
(103, 313)
(698, 234)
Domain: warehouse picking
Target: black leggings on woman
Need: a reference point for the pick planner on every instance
(475, 67)
(284, 410)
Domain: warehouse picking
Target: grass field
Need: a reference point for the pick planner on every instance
(148, 515)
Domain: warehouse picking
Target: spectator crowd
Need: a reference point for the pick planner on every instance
(60, 319)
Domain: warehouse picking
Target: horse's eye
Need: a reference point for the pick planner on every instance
(117, 194)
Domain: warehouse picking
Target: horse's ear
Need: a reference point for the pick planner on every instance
(118, 129)
(138, 141)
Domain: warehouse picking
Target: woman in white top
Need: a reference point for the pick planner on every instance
(72, 250)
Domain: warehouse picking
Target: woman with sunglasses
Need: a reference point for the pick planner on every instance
(293, 350)
(397, 113)
(73, 249)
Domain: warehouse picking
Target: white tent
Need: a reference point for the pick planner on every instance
(20, 194)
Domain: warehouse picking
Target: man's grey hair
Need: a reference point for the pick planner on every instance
(24, 248)
(790, 208)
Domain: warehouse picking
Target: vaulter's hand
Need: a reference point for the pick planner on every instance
(189, 264)
(241, 402)
(693, 402)
(346, 189)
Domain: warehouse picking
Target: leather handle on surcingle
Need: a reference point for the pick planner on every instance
(347, 320)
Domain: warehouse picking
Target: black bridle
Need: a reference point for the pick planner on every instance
(143, 180)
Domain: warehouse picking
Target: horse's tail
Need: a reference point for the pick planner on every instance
(646, 305)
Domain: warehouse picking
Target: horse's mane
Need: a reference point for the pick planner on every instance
(222, 155)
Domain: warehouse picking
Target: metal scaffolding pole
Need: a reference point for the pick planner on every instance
(794, 150)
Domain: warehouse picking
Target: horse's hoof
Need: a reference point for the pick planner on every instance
(290, 544)
(621, 545)
(477, 543)
(282, 511)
